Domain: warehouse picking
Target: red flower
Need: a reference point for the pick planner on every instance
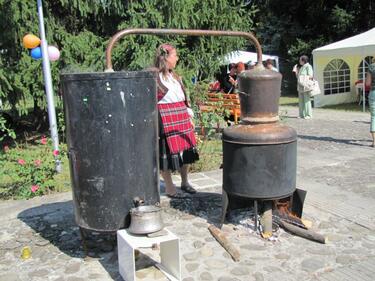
(37, 162)
(21, 162)
(6, 148)
(34, 188)
(55, 152)
(43, 140)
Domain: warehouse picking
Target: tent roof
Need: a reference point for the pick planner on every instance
(245, 57)
(363, 43)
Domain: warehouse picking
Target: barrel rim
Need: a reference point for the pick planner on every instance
(79, 76)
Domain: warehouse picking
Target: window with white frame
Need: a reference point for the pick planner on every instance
(364, 66)
(336, 77)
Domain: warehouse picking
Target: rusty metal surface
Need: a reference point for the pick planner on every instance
(185, 32)
(259, 154)
(259, 93)
(273, 133)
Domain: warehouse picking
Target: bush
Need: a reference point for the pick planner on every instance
(28, 171)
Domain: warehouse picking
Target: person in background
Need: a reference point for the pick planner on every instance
(370, 82)
(269, 65)
(177, 141)
(251, 65)
(304, 99)
(228, 80)
(240, 68)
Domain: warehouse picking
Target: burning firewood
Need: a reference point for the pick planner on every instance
(292, 223)
(305, 233)
(282, 212)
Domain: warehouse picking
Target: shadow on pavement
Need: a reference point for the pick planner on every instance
(208, 205)
(55, 223)
(363, 122)
(330, 139)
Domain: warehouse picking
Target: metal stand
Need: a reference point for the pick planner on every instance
(83, 239)
(256, 215)
(224, 207)
(170, 263)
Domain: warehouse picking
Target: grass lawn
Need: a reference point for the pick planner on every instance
(293, 101)
(288, 100)
(347, 107)
(210, 156)
(16, 177)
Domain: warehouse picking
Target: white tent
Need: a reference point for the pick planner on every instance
(247, 57)
(337, 67)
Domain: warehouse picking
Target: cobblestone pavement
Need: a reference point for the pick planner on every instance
(335, 165)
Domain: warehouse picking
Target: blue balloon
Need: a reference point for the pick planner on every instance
(36, 53)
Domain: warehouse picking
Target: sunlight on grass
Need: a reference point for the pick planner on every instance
(288, 100)
(293, 101)
(347, 107)
(29, 164)
(62, 180)
(210, 156)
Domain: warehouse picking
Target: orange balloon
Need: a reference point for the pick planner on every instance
(31, 41)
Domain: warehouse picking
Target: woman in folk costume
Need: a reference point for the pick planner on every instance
(177, 141)
(304, 98)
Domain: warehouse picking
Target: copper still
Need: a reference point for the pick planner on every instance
(260, 153)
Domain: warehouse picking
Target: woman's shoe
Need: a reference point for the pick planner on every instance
(177, 195)
(188, 189)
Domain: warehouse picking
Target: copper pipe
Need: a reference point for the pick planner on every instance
(186, 32)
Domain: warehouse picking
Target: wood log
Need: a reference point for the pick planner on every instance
(308, 224)
(305, 233)
(266, 220)
(288, 218)
(229, 247)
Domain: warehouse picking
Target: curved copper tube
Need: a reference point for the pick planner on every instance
(187, 32)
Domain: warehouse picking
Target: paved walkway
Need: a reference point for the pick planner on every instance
(335, 165)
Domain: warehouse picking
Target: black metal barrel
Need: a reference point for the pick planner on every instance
(111, 124)
(260, 161)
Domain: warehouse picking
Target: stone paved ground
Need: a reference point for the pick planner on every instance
(335, 165)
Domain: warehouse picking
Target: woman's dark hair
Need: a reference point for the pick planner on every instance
(304, 58)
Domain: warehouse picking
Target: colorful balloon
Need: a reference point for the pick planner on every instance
(53, 53)
(31, 41)
(36, 53)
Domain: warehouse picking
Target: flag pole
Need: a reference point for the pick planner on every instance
(48, 88)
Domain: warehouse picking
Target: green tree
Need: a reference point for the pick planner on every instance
(81, 30)
(291, 28)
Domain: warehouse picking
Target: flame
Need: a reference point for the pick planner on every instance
(284, 209)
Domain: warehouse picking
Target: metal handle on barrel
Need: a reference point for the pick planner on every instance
(186, 32)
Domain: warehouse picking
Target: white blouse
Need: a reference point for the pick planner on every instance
(175, 92)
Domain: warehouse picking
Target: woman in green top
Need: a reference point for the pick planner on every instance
(370, 82)
(304, 99)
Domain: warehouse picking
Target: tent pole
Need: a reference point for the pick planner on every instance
(363, 84)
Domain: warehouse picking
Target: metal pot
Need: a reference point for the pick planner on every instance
(145, 219)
